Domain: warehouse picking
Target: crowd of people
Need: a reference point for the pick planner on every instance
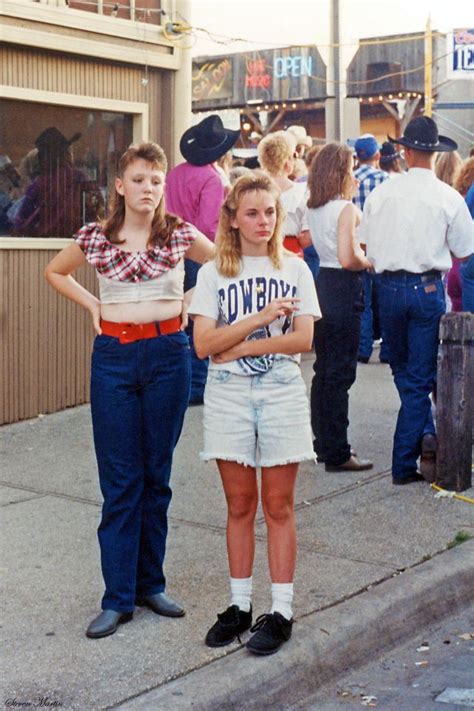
(307, 250)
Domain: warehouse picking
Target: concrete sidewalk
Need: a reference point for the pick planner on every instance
(356, 531)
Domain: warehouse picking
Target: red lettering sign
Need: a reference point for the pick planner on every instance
(259, 81)
(257, 76)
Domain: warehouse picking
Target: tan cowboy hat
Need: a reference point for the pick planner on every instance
(302, 138)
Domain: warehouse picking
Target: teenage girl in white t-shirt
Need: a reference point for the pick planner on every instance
(254, 308)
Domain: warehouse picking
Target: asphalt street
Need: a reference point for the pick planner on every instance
(434, 671)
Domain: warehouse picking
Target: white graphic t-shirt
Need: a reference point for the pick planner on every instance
(228, 300)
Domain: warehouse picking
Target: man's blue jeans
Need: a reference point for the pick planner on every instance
(311, 258)
(366, 345)
(199, 367)
(367, 319)
(411, 306)
(467, 282)
(139, 394)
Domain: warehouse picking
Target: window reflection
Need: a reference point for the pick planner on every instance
(55, 175)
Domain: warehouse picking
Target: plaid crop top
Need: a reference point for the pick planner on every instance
(126, 277)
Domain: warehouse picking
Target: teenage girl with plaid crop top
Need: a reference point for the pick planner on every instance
(140, 376)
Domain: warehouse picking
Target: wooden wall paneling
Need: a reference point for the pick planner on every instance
(45, 340)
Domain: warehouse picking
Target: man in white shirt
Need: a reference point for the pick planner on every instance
(410, 225)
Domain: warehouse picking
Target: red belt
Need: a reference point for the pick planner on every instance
(130, 332)
(291, 243)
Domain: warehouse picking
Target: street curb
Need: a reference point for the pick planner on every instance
(325, 644)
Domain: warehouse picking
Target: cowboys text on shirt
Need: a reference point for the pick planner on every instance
(250, 295)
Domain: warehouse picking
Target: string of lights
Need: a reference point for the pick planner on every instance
(176, 32)
(378, 96)
(184, 35)
(288, 105)
(171, 30)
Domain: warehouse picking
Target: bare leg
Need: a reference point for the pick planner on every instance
(278, 485)
(241, 492)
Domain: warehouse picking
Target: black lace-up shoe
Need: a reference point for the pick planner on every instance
(230, 624)
(271, 630)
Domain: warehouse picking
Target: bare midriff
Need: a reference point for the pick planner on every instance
(142, 311)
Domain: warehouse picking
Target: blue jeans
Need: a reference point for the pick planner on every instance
(336, 342)
(199, 367)
(383, 354)
(139, 394)
(311, 257)
(467, 282)
(367, 318)
(411, 306)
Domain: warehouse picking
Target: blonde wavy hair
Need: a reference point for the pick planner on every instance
(274, 150)
(228, 244)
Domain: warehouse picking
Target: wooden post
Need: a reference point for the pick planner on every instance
(428, 69)
(454, 401)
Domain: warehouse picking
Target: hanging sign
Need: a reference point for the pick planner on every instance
(212, 79)
(462, 52)
(298, 66)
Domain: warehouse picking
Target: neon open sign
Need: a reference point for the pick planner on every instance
(292, 67)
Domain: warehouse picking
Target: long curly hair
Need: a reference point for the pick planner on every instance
(228, 244)
(163, 223)
(330, 175)
(464, 177)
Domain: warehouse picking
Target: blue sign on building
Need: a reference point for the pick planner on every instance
(463, 50)
(298, 66)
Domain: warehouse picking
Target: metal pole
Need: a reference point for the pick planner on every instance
(428, 69)
(336, 63)
(182, 95)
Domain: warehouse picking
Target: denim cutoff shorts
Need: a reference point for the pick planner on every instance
(257, 420)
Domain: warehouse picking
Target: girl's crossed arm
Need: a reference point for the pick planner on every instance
(300, 340)
(210, 340)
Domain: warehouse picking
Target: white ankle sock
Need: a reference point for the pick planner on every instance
(241, 592)
(282, 597)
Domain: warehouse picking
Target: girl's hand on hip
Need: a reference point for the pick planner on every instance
(95, 313)
(184, 316)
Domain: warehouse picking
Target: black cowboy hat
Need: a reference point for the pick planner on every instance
(388, 152)
(207, 141)
(53, 139)
(421, 134)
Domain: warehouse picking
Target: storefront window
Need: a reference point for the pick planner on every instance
(57, 165)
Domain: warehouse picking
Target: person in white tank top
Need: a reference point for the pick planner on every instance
(332, 221)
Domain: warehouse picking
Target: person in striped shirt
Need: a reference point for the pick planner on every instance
(369, 177)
